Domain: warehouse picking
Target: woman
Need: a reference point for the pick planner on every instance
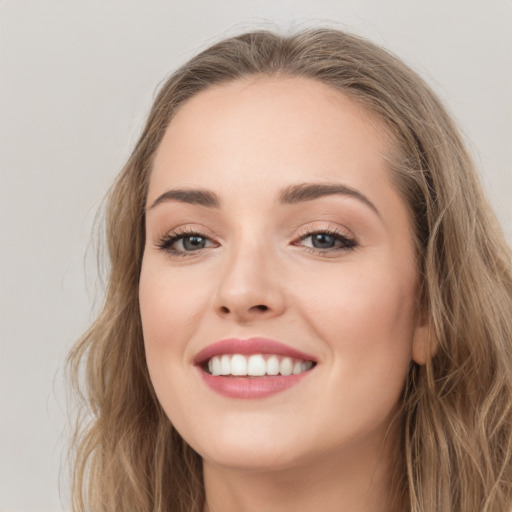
(309, 304)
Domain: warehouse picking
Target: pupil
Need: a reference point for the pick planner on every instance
(323, 241)
(192, 243)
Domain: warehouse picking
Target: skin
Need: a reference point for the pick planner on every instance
(328, 442)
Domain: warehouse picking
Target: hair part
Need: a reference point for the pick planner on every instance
(456, 418)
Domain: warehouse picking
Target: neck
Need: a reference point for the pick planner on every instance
(360, 481)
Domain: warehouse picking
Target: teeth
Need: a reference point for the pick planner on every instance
(216, 366)
(225, 365)
(256, 365)
(238, 365)
(297, 368)
(272, 365)
(286, 366)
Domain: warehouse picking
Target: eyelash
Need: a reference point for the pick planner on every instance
(346, 243)
(166, 243)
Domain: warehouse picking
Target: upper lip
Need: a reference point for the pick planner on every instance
(250, 346)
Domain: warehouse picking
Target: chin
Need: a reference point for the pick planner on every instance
(251, 448)
(260, 459)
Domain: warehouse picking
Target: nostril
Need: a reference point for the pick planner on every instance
(261, 307)
(224, 309)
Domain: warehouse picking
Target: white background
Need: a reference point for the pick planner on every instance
(76, 80)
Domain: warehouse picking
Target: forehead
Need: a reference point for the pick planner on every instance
(266, 128)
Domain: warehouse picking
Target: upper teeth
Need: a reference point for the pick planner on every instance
(256, 365)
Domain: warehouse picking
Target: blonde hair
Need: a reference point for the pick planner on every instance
(456, 431)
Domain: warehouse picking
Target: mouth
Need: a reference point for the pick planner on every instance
(253, 368)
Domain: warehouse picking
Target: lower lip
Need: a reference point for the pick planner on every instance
(251, 387)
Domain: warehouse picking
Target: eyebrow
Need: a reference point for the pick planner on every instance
(191, 196)
(291, 194)
(309, 191)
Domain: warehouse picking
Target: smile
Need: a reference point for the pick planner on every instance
(253, 368)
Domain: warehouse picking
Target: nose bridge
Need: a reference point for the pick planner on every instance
(249, 284)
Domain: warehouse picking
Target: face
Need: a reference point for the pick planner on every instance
(278, 284)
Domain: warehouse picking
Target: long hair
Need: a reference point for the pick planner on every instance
(456, 417)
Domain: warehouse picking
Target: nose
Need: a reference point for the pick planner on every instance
(249, 287)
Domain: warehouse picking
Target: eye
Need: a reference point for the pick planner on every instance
(326, 241)
(192, 242)
(185, 242)
(323, 241)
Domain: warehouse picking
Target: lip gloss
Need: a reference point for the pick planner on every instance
(248, 387)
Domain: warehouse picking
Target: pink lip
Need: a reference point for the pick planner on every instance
(249, 387)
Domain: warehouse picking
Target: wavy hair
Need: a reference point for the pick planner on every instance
(456, 417)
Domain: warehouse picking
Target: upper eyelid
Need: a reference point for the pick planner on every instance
(314, 229)
(341, 233)
(188, 229)
(336, 234)
(300, 232)
(178, 233)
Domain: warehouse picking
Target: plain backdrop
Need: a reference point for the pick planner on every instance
(76, 81)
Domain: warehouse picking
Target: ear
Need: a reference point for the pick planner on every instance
(424, 345)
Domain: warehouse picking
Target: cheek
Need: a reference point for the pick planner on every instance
(169, 311)
(379, 313)
(170, 305)
(367, 319)
(376, 296)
